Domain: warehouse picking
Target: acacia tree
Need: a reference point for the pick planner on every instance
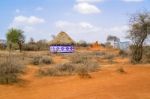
(138, 33)
(15, 36)
(112, 38)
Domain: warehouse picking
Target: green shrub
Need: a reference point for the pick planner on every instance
(10, 70)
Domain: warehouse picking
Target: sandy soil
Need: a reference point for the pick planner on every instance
(104, 84)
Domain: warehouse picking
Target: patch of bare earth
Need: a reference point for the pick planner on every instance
(104, 84)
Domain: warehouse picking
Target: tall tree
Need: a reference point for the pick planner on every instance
(15, 36)
(138, 33)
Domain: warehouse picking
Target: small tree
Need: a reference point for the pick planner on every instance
(15, 36)
(138, 33)
(112, 38)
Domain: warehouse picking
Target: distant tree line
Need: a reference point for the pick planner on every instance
(139, 32)
(16, 41)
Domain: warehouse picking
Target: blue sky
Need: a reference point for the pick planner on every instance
(90, 20)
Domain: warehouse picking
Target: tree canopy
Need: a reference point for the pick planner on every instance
(138, 33)
(15, 36)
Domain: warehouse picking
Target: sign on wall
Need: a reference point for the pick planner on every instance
(62, 49)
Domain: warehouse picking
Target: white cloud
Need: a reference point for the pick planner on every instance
(89, 32)
(24, 20)
(86, 8)
(133, 0)
(30, 25)
(80, 27)
(89, 1)
(86, 25)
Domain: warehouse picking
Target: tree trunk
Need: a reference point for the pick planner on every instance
(137, 53)
(20, 47)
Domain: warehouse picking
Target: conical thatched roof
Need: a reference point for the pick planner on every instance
(62, 39)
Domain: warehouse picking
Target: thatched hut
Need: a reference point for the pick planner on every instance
(62, 43)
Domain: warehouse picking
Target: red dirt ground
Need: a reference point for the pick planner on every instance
(104, 84)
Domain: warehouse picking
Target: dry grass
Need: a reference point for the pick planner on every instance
(58, 70)
(10, 70)
(37, 60)
(79, 64)
(66, 69)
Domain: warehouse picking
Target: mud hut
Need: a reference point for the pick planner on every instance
(62, 43)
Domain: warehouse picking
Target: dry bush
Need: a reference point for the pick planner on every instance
(85, 60)
(146, 55)
(109, 57)
(46, 60)
(83, 72)
(78, 58)
(98, 54)
(66, 69)
(36, 60)
(80, 65)
(30, 47)
(40, 45)
(58, 70)
(10, 70)
(49, 72)
(2, 46)
(42, 60)
(121, 70)
(123, 53)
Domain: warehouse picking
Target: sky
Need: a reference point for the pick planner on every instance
(89, 20)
